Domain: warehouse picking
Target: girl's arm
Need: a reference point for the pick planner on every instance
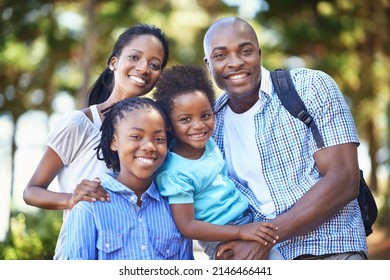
(184, 217)
(37, 194)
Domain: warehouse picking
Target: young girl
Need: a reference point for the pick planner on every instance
(137, 222)
(134, 67)
(205, 202)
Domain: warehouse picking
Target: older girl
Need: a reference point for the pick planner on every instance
(137, 223)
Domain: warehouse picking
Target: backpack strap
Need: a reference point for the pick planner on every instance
(290, 99)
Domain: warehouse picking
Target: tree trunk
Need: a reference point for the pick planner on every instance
(88, 54)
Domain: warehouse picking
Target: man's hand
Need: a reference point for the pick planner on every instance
(243, 250)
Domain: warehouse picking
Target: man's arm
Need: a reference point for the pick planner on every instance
(340, 184)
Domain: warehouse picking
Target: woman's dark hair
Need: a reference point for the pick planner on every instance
(102, 88)
(180, 80)
(112, 115)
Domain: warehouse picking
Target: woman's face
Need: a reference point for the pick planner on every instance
(138, 68)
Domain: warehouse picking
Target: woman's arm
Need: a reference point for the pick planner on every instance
(183, 215)
(37, 194)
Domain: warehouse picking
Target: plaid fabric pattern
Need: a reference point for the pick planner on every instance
(286, 148)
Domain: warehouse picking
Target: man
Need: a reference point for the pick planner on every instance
(309, 193)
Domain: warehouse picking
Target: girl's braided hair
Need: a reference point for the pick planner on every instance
(112, 115)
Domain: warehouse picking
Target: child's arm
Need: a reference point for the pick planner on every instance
(184, 217)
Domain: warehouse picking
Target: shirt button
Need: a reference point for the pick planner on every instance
(167, 251)
(133, 198)
(107, 245)
(225, 178)
(143, 247)
(140, 220)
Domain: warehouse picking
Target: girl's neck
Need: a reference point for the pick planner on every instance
(139, 187)
(188, 152)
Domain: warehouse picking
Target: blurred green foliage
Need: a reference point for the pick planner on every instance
(31, 236)
(48, 47)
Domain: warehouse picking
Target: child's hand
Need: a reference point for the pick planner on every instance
(264, 233)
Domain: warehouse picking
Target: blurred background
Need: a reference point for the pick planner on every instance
(51, 51)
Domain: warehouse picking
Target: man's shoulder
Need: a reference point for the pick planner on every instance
(307, 73)
(220, 102)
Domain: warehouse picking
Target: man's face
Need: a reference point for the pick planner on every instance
(232, 55)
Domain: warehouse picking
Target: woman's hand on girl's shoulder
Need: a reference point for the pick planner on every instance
(88, 190)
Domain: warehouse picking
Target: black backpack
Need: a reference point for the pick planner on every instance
(290, 99)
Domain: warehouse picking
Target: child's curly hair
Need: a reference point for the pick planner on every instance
(180, 80)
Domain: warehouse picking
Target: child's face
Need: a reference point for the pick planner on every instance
(192, 120)
(140, 140)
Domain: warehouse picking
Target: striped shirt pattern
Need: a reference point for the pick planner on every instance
(122, 230)
(286, 147)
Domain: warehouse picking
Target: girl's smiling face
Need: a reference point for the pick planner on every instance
(192, 120)
(141, 142)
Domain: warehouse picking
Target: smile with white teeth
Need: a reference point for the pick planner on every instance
(138, 80)
(237, 77)
(198, 135)
(145, 160)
